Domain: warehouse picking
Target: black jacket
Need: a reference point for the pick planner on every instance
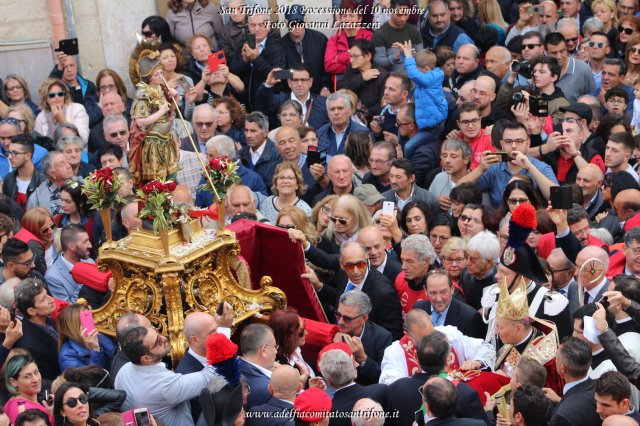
(473, 287)
(459, 315)
(43, 347)
(265, 414)
(345, 398)
(106, 400)
(188, 364)
(577, 407)
(10, 186)
(269, 102)
(266, 165)
(255, 73)
(314, 44)
(552, 158)
(447, 39)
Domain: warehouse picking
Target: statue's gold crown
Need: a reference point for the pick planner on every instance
(513, 306)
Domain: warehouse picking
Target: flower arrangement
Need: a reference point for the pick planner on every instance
(101, 189)
(158, 204)
(222, 173)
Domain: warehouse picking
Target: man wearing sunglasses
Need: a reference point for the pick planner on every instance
(563, 277)
(110, 104)
(204, 128)
(18, 260)
(599, 49)
(116, 132)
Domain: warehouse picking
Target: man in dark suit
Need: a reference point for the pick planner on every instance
(577, 405)
(283, 387)
(447, 310)
(357, 275)
(563, 277)
(527, 402)
(39, 333)
(314, 106)
(260, 154)
(197, 327)
(433, 351)
(338, 370)
(440, 399)
(258, 347)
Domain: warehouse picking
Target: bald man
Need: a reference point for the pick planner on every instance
(387, 264)
(589, 179)
(130, 219)
(592, 264)
(619, 420)
(498, 60)
(125, 323)
(182, 195)
(283, 387)
(466, 66)
(484, 95)
(627, 204)
(367, 412)
(197, 327)
(550, 16)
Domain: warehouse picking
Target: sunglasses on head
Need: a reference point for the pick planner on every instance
(340, 220)
(351, 266)
(72, 402)
(56, 95)
(626, 30)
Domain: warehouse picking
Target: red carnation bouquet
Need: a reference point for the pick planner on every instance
(222, 173)
(158, 204)
(101, 189)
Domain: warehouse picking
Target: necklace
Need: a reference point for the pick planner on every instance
(277, 200)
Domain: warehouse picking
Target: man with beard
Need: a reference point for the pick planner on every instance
(18, 260)
(484, 94)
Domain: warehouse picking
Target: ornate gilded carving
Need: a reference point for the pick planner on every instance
(200, 277)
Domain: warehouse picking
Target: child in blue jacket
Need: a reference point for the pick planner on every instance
(431, 106)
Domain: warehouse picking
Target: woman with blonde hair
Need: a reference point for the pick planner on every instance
(605, 10)
(25, 117)
(348, 216)
(39, 222)
(77, 346)
(454, 256)
(58, 108)
(16, 92)
(491, 16)
(288, 186)
(321, 213)
(291, 217)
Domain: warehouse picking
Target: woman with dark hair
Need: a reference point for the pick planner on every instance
(71, 406)
(357, 148)
(188, 17)
(517, 192)
(74, 206)
(289, 331)
(363, 78)
(308, 137)
(627, 27)
(172, 59)
(440, 231)
(460, 196)
(415, 217)
(230, 115)
(157, 28)
(102, 397)
(544, 226)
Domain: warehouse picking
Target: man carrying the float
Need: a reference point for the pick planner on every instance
(520, 263)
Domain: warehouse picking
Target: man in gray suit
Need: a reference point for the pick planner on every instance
(404, 189)
(592, 264)
(562, 277)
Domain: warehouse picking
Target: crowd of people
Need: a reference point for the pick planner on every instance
(463, 181)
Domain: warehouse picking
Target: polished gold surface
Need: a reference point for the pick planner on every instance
(195, 277)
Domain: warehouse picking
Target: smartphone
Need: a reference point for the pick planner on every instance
(504, 156)
(184, 83)
(86, 321)
(604, 301)
(12, 312)
(419, 415)
(128, 418)
(562, 197)
(388, 208)
(557, 128)
(283, 75)
(68, 46)
(220, 309)
(141, 416)
(251, 40)
(314, 157)
(216, 59)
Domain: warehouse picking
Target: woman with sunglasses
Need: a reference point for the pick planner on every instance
(39, 222)
(288, 186)
(79, 347)
(289, 331)
(628, 26)
(292, 217)
(58, 108)
(24, 382)
(348, 216)
(517, 192)
(632, 60)
(102, 397)
(71, 406)
(321, 213)
(23, 114)
(16, 92)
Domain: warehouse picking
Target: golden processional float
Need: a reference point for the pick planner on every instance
(177, 268)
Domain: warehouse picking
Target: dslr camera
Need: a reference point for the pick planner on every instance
(523, 68)
(538, 106)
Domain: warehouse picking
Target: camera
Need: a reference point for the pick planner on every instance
(536, 10)
(523, 68)
(538, 106)
(518, 98)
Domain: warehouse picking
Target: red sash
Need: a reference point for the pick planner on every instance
(410, 355)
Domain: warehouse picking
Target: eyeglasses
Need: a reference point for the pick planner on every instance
(442, 238)
(351, 266)
(147, 34)
(380, 162)
(570, 120)
(14, 153)
(472, 122)
(345, 318)
(299, 80)
(457, 260)
(599, 44)
(626, 30)
(514, 141)
(553, 271)
(159, 341)
(286, 178)
(516, 201)
(340, 220)
(274, 346)
(27, 262)
(572, 39)
(634, 50)
(286, 226)
(56, 95)
(48, 229)
(325, 209)
(530, 46)
(119, 132)
(204, 124)
(12, 88)
(107, 87)
(72, 402)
